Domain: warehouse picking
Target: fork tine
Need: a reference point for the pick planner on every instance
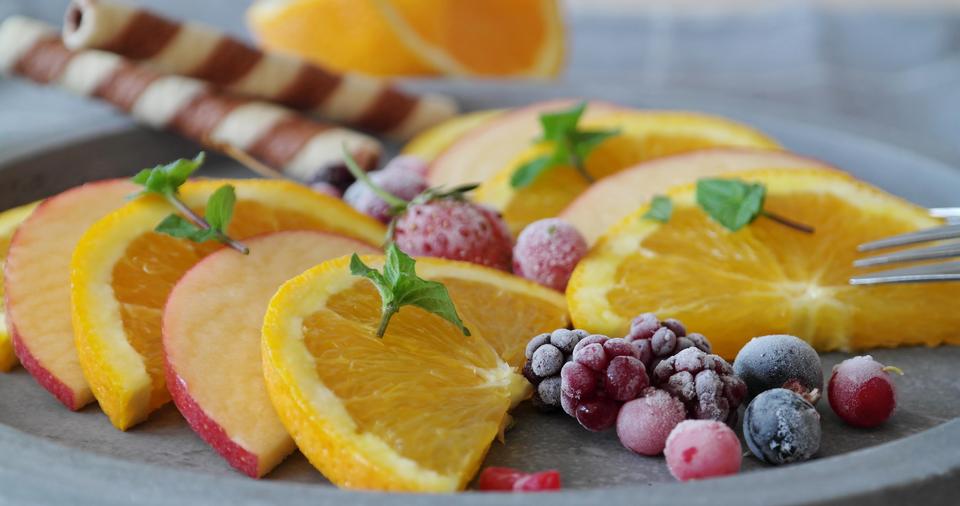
(945, 212)
(930, 234)
(928, 253)
(947, 271)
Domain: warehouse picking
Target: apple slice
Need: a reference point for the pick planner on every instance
(609, 200)
(9, 221)
(37, 281)
(211, 341)
(484, 150)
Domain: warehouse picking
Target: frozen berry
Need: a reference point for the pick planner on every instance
(326, 189)
(546, 361)
(704, 383)
(538, 482)
(698, 449)
(577, 380)
(548, 391)
(861, 392)
(547, 251)
(780, 361)
(565, 340)
(535, 343)
(781, 427)
(620, 347)
(592, 356)
(657, 340)
(410, 164)
(403, 185)
(598, 414)
(644, 424)
(590, 339)
(625, 378)
(455, 229)
(546, 354)
(506, 479)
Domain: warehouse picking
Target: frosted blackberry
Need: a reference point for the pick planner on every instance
(656, 340)
(546, 355)
(780, 361)
(781, 427)
(704, 383)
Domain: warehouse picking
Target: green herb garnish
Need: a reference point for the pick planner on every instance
(400, 286)
(165, 180)
(569, 146)
(661, 208)
(735, 204)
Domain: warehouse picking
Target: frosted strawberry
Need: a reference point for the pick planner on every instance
(547, 251)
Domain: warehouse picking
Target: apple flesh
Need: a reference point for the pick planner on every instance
(37, 284)
(613, 198)
(211, 341)
(484, 150)
(9, 221)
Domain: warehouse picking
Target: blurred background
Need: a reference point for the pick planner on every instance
(887, 68)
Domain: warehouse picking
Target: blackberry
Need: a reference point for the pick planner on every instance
(603, 375)
(704, 383)
(546, 354)
(658, 340)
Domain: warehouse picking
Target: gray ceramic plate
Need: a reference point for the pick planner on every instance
(52, 456)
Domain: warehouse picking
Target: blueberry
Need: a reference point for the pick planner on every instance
(781, 427)
(780, 361)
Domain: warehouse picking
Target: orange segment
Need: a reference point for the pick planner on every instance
(645, 135)
(417, 409)
(765, 278)
(123, 272)
(9, 221)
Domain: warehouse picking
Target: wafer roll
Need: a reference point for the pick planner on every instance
(300, 148)
(202, 52)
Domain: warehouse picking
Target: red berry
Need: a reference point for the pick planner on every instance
(861, 391)
(577, 380)
(699, 449)
(547, 251)
(598, 414)
(456, 230)
(592, 356)
(536, 482)
(498, 478)
(626, 378)
(644, 424)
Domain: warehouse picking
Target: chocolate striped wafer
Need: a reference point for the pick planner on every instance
(202, 52)
(300, 148)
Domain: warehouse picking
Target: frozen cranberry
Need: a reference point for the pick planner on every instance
(547, 252)
(644, 424)
(698, 449)
(861, 391)
(506, 479)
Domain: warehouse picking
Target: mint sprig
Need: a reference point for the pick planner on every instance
(569, 146)
(165, 180)
(735, 204)
(661, 208)
(400, 286)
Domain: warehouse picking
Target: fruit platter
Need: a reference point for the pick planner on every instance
(563, 296)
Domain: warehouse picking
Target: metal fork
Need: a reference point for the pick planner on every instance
(944, 271)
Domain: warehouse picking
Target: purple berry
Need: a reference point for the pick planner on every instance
(658, 340)
(675, 326)
(547, 251)
(663, 342)
(404, 185)
(577, 380)
(590, 339)
(549, 391)
(546, 354)
(625, 378)
(566, 340)
(535, 343)
(598, 414)
(547, 361)
(620, 347)
(643, 327)
(781, 427)
(780, 361)
(568, 404)
(644, 423)
(704, 383)
(592, 356)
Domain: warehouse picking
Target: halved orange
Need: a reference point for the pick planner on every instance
(766, 278)
(417, 409)
(410, 37)
(9, 221)
(645, 135)
(122, 272)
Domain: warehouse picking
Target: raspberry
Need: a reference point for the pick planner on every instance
(698, 449)
(644, 423)
(457, 230)
(546, 355)
(781, 427)
(861, 392)
(780, 361)
(402, 184)
(547, 251)
(603, 375)
(508, 479)
(704, 383)
(658, 340)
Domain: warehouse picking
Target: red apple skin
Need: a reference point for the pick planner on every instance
(45, 378)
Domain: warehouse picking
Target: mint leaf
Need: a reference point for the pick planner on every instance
(400, 286)
(528, 172)
(167, 179)
(731, 202)
(661, 208)
(220, 208)
(556, 125)
(175, 226)
(585, 142)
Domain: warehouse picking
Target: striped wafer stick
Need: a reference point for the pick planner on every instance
(200, 51)
(300, 148)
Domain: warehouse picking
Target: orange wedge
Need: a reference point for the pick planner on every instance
(122, 272)
(415, 410)
(645, 135)
(766, 278)
(9, 221)
(409, 37)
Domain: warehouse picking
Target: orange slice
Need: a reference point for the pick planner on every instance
(9, 221)
(645, 135)
(430, 143)
(409, 37)
(122, 272)
(766, 278)
(417, 409)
